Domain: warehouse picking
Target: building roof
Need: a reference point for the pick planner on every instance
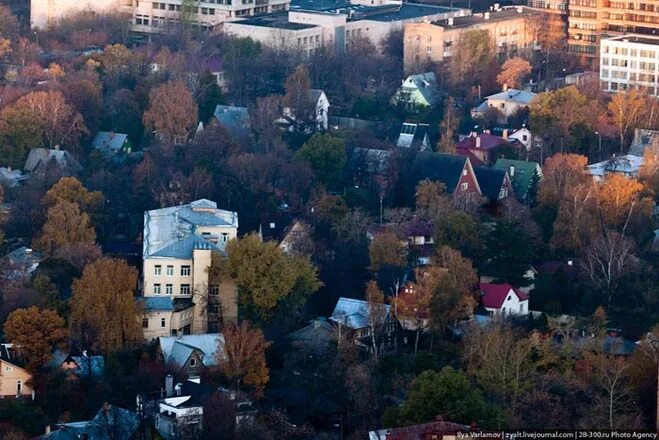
(487, 142)
(629, 38)
(520, 172)
(109, 141)
(172, 232)
(490, 181)
(234, 119)
(110, 423)
(7, 354)
(404, 11)
(412, 135)
(24, 256)
(434, 429)
(503, 14)
(11, 178)
(273, 227)
(212, 64)
(176, 350)
(373, 160)
(425, 83)
(316, 336)
(627, 164)
(494, 295)
(446, 168)
(42, 157)
(353, 313)
(521, 97)
(643, 139)
(83, 363)
(277, 21)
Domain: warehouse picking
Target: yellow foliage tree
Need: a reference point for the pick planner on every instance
(242, 357)
(65, 226)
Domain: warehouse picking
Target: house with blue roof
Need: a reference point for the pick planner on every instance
(180, 297)
(234, 119)
(417, 92)
(110, 143)
(362, 320)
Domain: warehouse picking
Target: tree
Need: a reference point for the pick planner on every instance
(561, 173)
(65, 225)
(3, 215)
(472, 58)
(458, 230)
(104, 313)
(557, 113)
(242, 359)
(262, 120)
(649, 172)
(48, 291)
(625, 112)
(431, 200)
(386, 249)
(55, 121)
(513, 71)
(413, 304)
(576, 221)
(209, 95)
(172, 112)
(509, 249)
(326, 155)
(219, 417)
(619, 199)
(377, 314)
(70, 189)
(298, 93)
(447, 393)
(448, 127)
(35, 333)
(265, 276)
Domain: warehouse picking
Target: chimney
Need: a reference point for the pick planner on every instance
(178, 389)
(570, 263)
(505, 134)
(47, 429)
(487, 131)
(169, 385)
(450, 21)
(57, 147)
(478, 141)
(505, 87)
(497, 6)
(512, 171)
(486, 16)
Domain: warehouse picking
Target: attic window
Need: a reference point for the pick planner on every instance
(193, 362)
(509, 297)
(272, 225)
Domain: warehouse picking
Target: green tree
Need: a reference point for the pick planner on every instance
(472, 58)
(387, 249)
(35, 333)
(209, 95)
(447, 393)
(509, 250)
(448, 127)
(265, 276)
(458, 230)
(48, 291)
(326, 156)
(104, 313)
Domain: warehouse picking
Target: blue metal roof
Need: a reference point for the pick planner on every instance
(156, 303)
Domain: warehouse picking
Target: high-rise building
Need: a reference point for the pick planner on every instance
(630, 62)
(591, 20)
(181, 296)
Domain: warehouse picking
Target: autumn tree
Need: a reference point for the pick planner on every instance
(431, 200)
(54, 121)
(625, 112)
(561, 173)
(472, 57)
(513, 71)
(35, 333)
(448, 127)
(558, 113)
(413, 303)
(298, 93)
(242, 357)
(649, 172)
(265, 276)
(326, 155)
(377, 314)
(458, 230)
(576, 221)
(386, 249)
(104, 313)
(65, 226)
(621, 201)
(70, 189)
(172, 112)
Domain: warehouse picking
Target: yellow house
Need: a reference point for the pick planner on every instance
(13, 378)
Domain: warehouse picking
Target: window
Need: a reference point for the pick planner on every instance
(464, 172)
(170, 271)
(169, 289)
(509, 297)
(521, 307)
(157, 270)
(163, 322)
(19, 387)
(8, 368)
(185, 289)
(193, 362)
(156, 289)
(214, 289)
(225, 237)
(214, 308)
(185, 271)
(464, 186)
(145, 322)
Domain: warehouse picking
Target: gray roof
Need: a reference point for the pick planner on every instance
(643, 139)
(97, 363)
(412, 135)
(172, 232)
(111, 423)
(353, 313)
(475, 19)
(11, 178)
(234, 119)
(157, 303)
(426, 83)
(316, 336)
(42, 157)
(522, 97)
(627, 164)
(109, 142)
(176, 350)
(24, 256)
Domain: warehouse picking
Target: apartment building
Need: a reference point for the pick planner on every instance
(509, 28)
(591, 20)
(308, 30)
(630, 62)
(180, 295)
(46, 13)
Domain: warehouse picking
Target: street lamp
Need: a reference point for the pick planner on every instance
(36, 36)
(599, 136)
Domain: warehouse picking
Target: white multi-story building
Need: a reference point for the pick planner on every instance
(630, 62)
(180, 294)
(308, 30)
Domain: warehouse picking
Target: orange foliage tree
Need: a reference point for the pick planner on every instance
(242, 358)
(172, 111)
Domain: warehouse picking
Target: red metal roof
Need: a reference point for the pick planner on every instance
(488, 142)
(493, 295)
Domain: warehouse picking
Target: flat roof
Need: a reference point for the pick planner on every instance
(407, 11)
(278, 21)
(641, 39)
(384, 13)
(318, 5)
(495, 16)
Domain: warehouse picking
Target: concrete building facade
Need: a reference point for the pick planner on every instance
(509, 30)
(630, 62)
(180, 294)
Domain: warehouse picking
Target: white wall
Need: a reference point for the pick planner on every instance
(45, 13)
